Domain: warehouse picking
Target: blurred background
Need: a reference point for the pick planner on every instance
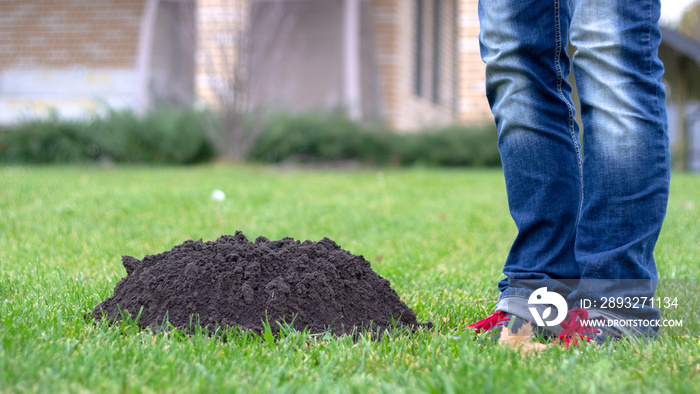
(395, 66)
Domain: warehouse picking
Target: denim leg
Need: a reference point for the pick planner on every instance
(626, 163)
(523, 44)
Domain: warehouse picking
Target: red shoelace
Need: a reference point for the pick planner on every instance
(496, 319)
(573, 330)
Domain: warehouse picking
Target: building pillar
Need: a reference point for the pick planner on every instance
(143, 57)
(351, 52)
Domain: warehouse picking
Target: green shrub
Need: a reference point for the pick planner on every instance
(46, 141)
(312, 136)
(185, 137)
(163, 137)
(453, 146)
(315, 137)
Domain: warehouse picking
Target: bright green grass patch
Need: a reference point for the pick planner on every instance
(439, 236)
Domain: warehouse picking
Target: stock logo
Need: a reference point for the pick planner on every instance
(543, 297)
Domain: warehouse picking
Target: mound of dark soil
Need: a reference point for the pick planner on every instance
(234, 282)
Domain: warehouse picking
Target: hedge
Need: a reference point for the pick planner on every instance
(162, 137)
(327, 137)
(186, 137)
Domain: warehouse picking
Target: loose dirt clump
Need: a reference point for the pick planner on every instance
(234, 282)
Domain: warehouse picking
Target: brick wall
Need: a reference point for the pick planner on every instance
(395, 35)
(473, 106)
(64, 33)
(423, 109)
(387, 19)
(68, 56)
(221, 27)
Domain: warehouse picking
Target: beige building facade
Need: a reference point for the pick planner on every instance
(56, 55)
(416, 42)
(412, 63)
(221, 32)
(76, 57)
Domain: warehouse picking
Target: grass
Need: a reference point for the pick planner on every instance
(439, 236)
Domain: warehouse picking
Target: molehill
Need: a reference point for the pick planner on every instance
(235, 282)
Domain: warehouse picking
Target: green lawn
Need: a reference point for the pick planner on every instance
(439, 236)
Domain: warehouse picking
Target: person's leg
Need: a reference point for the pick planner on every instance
(626, 163)
(523, 44)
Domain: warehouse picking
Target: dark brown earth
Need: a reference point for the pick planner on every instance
(234, 282)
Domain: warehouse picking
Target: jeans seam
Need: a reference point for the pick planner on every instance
(650, 59)
(570, 110)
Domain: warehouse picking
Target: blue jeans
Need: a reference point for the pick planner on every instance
(591, 212)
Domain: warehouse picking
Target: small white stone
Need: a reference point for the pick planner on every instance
(217, 195)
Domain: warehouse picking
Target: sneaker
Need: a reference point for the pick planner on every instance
(574, 331)
(512, 330)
